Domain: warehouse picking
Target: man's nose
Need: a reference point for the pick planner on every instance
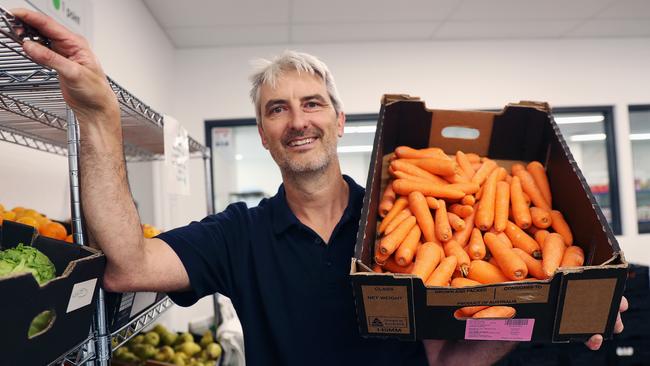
(299, 119)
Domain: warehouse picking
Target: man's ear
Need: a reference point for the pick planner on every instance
(260, 130)
(340, 123)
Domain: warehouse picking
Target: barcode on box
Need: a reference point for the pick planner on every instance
(517, 322)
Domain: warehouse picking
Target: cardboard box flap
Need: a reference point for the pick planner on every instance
(387, 99)
(468, 131)
(14, 233)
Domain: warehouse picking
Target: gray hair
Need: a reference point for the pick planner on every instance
(268, 72)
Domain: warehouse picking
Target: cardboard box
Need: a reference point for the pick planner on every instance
(570, 306)
(122, 307)
(71, 295)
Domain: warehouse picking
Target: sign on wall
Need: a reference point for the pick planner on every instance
(177, 157)
(76, 15)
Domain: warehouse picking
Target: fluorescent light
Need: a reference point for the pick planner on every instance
(359, 129)
(640, 136)
(579, 119)
(588, 137)
(354, 148)
(239, 157)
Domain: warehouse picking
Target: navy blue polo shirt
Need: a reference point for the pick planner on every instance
(291, 290)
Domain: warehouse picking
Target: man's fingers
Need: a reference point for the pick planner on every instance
(624, 305)
(594, 342)
(618, 326)
(44, 24)
(49, 58)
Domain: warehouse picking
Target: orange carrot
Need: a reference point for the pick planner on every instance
(476, 246)
(408, 168)
(512, 266)
(485, 273)
(398, 174)
(468, 188)
(377, 268)
(469, 311)
(479, 193)
(527, 199)
(427, 258)
(438, 166)
(508, 179)
(561, 227)
(456, 179)
(392, 266)
(464, 164)
(418, 205)
(380, 258)
(517, 168)
(442, 227)
(432, 203)
(463, 236)
(464, 282)
(504, 238)
(390, 242)
(455, 221)
(468, 200)
(398, 220)
(538, 172)
(473, 158)
(485, 213)
(405, 187)
(476, 166)
(461, 210)
(521, 240)
(400, 204)
(484, 171)
(452, 248)
(411, 153)
(520, 210)
(387, 200)
(573, 256)
(406, 250)
(531, 189)
(442, 274)
(540, 236)
(532, 229)
(498, 312)
(540, 217)
(501, 206)
(534, 265)
(502, 173)
(552, 253)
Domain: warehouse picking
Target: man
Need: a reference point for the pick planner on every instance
(284, 263)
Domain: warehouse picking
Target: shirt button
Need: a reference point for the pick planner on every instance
(318, 241)
(329, 263)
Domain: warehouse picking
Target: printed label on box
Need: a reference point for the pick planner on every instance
(501, 295)
(82, 294)
(499, 329)
(386, 309)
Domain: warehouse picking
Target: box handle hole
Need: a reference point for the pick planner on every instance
(458, 132)
(41, 323)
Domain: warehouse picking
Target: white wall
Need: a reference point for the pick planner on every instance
(212, 84)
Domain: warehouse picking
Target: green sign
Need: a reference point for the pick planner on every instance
(57, 4)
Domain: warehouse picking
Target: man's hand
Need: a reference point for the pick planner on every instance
(596, 340)
(82, 79)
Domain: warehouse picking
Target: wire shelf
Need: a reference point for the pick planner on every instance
(31, 102)
(136, 325)
(79, 355)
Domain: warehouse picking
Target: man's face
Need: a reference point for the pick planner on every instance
(298, 123)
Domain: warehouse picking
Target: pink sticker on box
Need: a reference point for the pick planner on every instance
(499, 329)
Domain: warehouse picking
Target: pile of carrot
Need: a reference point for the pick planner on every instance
(463, 220)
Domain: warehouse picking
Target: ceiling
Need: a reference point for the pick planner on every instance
(222, 23)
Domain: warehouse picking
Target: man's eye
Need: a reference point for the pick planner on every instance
(276, 110)
(311, 104)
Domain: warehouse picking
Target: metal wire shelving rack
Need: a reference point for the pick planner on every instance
(33, 114)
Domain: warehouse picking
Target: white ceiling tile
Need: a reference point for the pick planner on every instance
(375, 32)
(528, 9)
(613, 28)
(198, 13)
(308, 11)
(627, 9)
(504, 29)
(229, 35)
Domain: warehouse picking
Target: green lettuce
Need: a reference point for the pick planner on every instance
(25, 258)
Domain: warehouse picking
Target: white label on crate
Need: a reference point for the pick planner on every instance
(82, 294)
(499, 329)
(141, 301)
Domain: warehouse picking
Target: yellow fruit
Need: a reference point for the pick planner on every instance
(69, 239)
(18, 209)
(26, 220)
(53, 230)
(8, 215)
(2, 208)
(149, 231)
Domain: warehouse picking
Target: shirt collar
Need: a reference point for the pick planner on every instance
(283, 218)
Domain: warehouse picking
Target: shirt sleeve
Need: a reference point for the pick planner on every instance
(208, 249)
